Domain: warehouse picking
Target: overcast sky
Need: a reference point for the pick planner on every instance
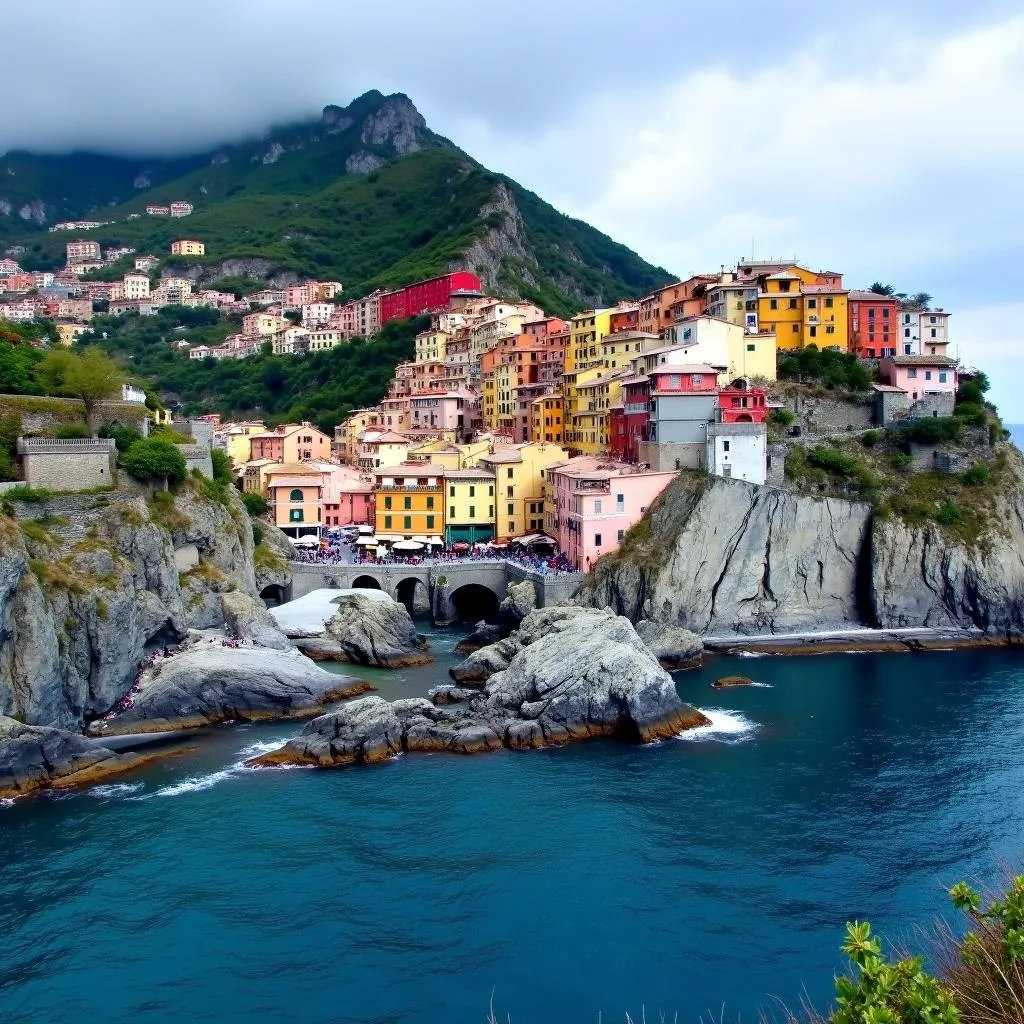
(882, 138)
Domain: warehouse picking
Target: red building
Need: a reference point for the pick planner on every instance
(873, 324)
(737, 404)
(424, 295)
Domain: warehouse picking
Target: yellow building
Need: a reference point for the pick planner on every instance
(519, 485)
(188, 247)
(802, 313)
(547, 419)
(586, 330)
(506, 381)
(431, 346)
(469, 516)
(489, 401)
(409, 500)
(69, 333)
(294, 494)
(237, 445)
(595, 399)
(752, 355)
(572, 380)
(451, 456)
(618, 350)
(346, 434)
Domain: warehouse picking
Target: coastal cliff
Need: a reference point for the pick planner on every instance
(88, 582)
(719, 557)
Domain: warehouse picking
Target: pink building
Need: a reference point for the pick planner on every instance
(595, 502)
(920, 375)
(347, 496)
(451, 412)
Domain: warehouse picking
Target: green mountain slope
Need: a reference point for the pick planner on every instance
(367, 195)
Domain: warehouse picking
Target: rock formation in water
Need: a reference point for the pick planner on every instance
(577, 674)
(88, 581)
(520, 599)
(209, 683)
(369, 631)
(37, 757)
(724, 557)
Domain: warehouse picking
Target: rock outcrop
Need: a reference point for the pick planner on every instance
(38, 757)
(520, 599)
(93, 581)
(726, 557)
(248, 618)
(369, 631)
(209, 683)
(577, 674)
(673, 646)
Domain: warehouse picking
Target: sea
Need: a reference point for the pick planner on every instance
(701, 878)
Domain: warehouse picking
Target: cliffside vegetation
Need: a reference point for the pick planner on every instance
(367, 195)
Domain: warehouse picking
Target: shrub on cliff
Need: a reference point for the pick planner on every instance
(222, 468)
(255, 504)
(937, 430)
(155, 458)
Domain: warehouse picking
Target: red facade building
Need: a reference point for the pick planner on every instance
(873, 324)
(423, 295)
(741, 405)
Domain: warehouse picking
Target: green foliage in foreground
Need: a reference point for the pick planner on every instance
(834, 369)
(255, 504)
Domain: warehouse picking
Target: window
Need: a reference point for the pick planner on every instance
(490, 511)
(906, 332)
(620, 503)
(472, 511)
(812, 303)
(927, 374)
(509, 472)
(511, 509)
(912, 373)
(296, 495)
(407, 522)
(792, 303)
(451, 491)
(387, 522)
(933, 333)
(871, 313)
(387, 501)
(751, 348)
(430, 501)
(725, 446)
(830, 329)
(511, 492)
(885, 314)
(942, 376)
(451, 511)
(814, 331)
(472, 491)
(511, 526)
(597, 540)
(597, 507)
(621, 535)
(430, 522)
(407, 502)
(828, 303)
(796, 328)
(774, 303)
(295, 515)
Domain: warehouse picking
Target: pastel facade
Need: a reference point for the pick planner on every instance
(291, 443)
(409, 500)
(920, 376)
(188, 247)
(873, 324)
(295, 499)
(738, 451)
(519, 485)
(470, 513)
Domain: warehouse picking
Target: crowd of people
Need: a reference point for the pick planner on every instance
(347, 552)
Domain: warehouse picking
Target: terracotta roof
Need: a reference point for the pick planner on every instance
(468, 474)
(944, 361)
(294, 481)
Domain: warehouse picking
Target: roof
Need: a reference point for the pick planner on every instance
(923, 360)
(681, 368)
(888, 388)
(818, 289)
(386, 437)
(468, 474)
(857, 295)
(294, 481)
(295, 469)
(511, 454)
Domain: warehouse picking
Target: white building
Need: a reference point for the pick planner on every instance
(180, 209)
(923, 332)
(291, 341)
(146, 262)
(199, 352)
(316, 313)
(130, 393)
(135, 286)
(738, 451)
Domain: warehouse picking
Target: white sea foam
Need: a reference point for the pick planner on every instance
(197, 784)
(726, 727)
(115, 790)
(751, 654)
(761, 686)
(255, 749)
(6, 802)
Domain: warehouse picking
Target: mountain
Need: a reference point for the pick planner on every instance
(367, 194)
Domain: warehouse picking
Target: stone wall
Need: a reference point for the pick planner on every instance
(776, 465)
(197, 457)
(40, 415)
(822, 414)
(74, 465)
(669, 456)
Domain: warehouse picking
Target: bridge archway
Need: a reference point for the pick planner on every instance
(273, 595)
(365, 583)
(473, 602)
(413, 593)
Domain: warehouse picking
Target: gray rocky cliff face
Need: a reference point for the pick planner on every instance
(727, 557)
(396, 122)
(80, 603)
(504, 240)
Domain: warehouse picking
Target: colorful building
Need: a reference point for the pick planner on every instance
(873, 324)
(188, 247)
(294, 495)
(431, 345)
(519, 485)
(291, 443)
(596, 501)
(585, 334)
(409, 500)
(547, 414)
(471, 506)
(425, 295)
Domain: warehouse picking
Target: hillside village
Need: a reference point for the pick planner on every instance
(509, 424)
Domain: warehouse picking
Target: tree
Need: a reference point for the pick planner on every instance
(155, 458)
(882, 289)
(222, 471)
(90, 376)
(919, 301)
(255, 504)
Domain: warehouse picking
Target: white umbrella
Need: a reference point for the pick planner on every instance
(306, 542)
(381, 552)
(366, 542)
(436, 542)
(420, 539)
(408, 545)
(366, 529)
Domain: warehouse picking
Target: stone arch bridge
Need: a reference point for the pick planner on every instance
(448, 591)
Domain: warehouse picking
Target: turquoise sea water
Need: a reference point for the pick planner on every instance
(713, 870)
